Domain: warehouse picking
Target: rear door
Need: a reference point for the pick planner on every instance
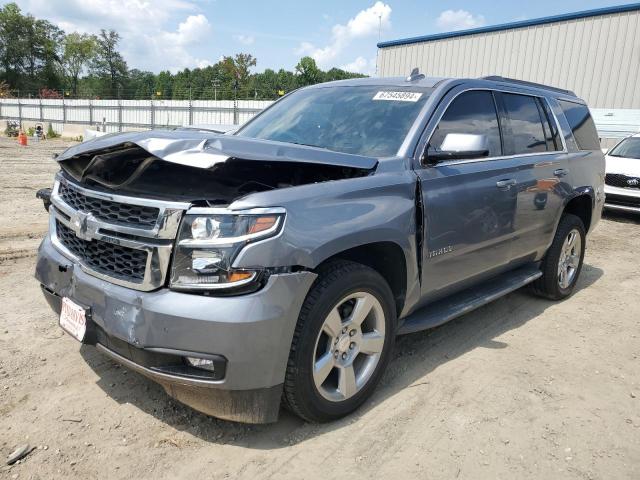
(532, 138)
(469, 204)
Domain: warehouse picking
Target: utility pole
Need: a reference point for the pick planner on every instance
(216, 84)
(377, 48)
(235, 101)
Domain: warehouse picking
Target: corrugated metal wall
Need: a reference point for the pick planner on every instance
(596, 57)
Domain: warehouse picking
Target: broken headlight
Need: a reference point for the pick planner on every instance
(209, 241)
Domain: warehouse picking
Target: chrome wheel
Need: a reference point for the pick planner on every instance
(349, 346)
(569, 259)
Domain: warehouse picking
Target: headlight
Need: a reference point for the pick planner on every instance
(209, 241)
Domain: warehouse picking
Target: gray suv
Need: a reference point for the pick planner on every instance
(277, 264)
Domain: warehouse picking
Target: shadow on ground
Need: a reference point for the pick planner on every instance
(622, 217)
(415, 356)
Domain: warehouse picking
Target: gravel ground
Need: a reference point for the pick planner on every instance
(522, 388)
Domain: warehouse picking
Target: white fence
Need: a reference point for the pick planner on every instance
(119, 115)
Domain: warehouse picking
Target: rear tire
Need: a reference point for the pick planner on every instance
(342, 342)
(562, 264)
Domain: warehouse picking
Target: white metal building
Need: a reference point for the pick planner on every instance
(595, 53)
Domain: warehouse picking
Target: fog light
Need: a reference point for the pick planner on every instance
(203, 363)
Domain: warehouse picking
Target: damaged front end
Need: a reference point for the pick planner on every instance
(162, 198)
(202, 168)
(143, 237)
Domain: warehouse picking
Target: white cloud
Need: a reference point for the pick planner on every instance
(147, 43)
(365, 23)
(304, 48)
(459, 20)
(194, 29)
(245, 39)
(361, 65)
(203, 63)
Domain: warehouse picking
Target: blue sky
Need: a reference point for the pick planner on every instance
(174, 34)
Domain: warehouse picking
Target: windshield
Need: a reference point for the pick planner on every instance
(364, 120)
(628, 148)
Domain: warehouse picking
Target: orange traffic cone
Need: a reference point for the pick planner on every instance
(22, 138)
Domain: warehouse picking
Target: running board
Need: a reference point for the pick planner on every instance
(442, 311)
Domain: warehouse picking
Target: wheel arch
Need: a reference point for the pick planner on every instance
(385, 257)
(581, 204)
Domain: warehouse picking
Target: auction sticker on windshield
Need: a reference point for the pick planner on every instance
(73, 319)
(398, 96)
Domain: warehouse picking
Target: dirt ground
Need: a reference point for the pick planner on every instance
(522, 388)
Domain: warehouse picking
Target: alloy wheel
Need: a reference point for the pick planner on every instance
(349, 346)
(569, 259)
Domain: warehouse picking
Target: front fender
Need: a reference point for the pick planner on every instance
(327, 218)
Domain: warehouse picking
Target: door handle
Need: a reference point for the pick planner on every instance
(509, 182)
(560, 172)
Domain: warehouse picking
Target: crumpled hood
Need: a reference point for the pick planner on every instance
(205, 149)
(625, 166)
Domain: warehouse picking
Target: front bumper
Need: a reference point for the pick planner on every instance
(623, 199)
(252, 332)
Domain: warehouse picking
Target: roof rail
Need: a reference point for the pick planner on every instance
(498, 78)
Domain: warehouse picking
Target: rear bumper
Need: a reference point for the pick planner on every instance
(251, 333)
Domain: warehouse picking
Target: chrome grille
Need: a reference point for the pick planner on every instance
(109, 259)
(114, 212)
(121, 239)
(622, 181)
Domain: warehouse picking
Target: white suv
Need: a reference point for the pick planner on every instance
(622, 183)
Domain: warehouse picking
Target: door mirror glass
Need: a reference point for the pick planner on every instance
(458, 146)
(464, 142)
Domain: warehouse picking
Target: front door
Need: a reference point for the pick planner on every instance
(469, 204)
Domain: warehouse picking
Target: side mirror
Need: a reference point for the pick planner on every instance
(459, 146)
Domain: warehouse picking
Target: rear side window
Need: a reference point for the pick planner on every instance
(582, 126)
(532, 131)
(550, 127)
(472, 112)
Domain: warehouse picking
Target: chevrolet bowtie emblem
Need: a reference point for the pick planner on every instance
(79, 224)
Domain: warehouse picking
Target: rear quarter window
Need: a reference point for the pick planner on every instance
(582, 125)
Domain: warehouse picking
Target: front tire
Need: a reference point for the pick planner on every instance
(342, 342)
(562, 264)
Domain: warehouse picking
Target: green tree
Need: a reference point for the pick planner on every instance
(164, 85)
(181, 87)
(238, 69)
(79, 50)
(339, 74)
(36, 55)
(29, 50)
(14, 46)
(308, 71)
(108, 63)
(140, 84)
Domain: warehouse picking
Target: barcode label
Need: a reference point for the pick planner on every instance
(398, 96)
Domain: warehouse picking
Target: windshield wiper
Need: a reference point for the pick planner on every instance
(307, 145)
